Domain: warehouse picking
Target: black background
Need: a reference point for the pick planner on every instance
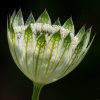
(81, 84)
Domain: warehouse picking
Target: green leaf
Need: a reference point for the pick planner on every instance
(18, 19)
(12, 33)
(73, 58)
(87, 49)
(28, 34)
(57, 22)
(81, 47)
(67, 40)
(69, 25)
(44, 18)
(65, 47)
(56, 37)
(52, 46)
(30, 19)
(41, 40)
(81, 33)
(39, 50)
(79, 58)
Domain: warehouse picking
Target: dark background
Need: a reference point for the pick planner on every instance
(81, 84)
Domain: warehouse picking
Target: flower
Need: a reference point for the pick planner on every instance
(46, 52)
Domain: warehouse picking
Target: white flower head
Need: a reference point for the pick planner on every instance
(46, 52)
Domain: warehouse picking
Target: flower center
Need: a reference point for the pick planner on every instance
(46, 28)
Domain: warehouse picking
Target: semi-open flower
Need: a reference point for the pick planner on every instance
(43, 51)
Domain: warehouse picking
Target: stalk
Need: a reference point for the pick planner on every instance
(36, 91)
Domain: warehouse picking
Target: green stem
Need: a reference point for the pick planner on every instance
(36, 91)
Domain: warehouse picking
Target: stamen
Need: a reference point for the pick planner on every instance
(47, 28)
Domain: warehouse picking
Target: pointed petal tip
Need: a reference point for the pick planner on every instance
(81, 33)
(68, 21)
(88, 47)
(18, 19)
(69, 25)
(44, 18)
(19, 12)
(57, 22)
(45, 10)
(14, 12)
(10, 18)
(89, 29)
(30, 19)
(83, 28)
(94, 36)
(70, 18)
